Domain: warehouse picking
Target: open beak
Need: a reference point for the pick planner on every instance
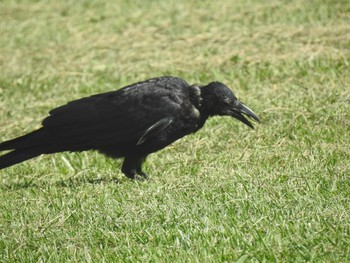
(241, 109)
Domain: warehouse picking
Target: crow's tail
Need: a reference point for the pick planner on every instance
(17, 156)
(33, 139)
(23, 148)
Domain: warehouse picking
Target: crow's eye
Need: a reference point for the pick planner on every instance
(227, 101)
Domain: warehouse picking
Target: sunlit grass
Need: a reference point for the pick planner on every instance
(227, 193)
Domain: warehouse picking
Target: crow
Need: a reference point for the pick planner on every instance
(131, 122)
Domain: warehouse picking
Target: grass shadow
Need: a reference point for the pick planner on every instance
(72, 182)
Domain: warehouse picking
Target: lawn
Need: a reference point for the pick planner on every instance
(279, 193)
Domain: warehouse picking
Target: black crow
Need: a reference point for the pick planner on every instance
(131, 122)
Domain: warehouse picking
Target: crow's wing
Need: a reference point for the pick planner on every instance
(132, 114)
(155, 129)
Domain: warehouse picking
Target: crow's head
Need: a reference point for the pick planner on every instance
(218, 99)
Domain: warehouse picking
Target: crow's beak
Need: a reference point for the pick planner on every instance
(241, 109)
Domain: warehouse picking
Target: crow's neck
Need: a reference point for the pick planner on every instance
(207, 104)
(195, 94)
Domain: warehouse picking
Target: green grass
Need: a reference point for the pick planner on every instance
(280, 193)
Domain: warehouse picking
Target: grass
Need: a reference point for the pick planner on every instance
(279, 193)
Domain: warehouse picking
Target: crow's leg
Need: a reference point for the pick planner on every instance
(132, 167)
